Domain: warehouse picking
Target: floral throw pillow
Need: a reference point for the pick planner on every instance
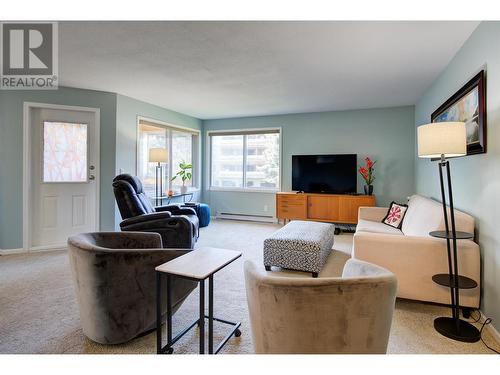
(395, 215)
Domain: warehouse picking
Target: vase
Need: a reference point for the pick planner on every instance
(184, 189)
(368, 189)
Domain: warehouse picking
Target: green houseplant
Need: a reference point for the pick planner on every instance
(185, 174)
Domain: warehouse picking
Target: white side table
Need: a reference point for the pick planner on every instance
(198, 265)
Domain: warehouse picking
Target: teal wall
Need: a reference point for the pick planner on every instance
(11, 154)
(382, 134)
(476, 179)
(118, 147)
(127, 111)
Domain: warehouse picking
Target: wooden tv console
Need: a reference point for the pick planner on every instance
(334, 208)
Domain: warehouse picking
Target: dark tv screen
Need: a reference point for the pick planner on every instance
(334, 174)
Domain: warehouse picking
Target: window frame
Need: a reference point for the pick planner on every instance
(246, 131)
(196, 149)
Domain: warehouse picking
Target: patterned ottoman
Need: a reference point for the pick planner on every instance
(300, 245)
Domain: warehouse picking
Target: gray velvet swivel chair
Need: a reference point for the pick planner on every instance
(348, 314)
(114, 279)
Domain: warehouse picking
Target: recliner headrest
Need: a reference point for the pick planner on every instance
(132, 180)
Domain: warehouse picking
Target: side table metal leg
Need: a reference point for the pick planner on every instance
(169, 310)
(211, 314)
(202, 317)
(158, 312)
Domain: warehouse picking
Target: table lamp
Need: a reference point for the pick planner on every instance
(440, 141)
(158, 155)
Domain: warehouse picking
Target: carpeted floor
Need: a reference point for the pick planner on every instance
(38, 311)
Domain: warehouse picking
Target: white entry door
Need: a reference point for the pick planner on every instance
(64, 175)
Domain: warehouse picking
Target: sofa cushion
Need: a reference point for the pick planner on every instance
(376, 227)
(425, 215)
(395, 215)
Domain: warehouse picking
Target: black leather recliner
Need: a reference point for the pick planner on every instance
(178, 226)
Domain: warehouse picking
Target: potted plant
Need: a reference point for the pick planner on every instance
(185, 174)
(367, 172)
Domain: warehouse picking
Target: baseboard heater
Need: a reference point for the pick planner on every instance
(246, 217)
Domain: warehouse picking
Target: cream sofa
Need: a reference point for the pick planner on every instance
(413, 255)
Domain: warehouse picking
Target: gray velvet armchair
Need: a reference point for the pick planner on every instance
(348, 314)
(114, 278)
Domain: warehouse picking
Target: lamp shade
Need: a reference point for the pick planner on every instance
(158, 155)
(442, 138)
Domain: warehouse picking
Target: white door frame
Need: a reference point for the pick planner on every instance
(27, 165)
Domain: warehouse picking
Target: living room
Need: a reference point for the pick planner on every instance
(249, 187)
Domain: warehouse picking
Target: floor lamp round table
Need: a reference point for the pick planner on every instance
(439, 141)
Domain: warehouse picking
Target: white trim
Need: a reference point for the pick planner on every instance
(12, 251)
(245, 217)
(208, 155)
(493, 332)
(244, 190)
(27, 106)
(490, 327)
(197, 181)
(36, 249)
(243, 130)
(168, 124)
(39, 249)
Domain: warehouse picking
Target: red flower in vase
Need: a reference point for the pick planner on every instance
(369, 163)
(367, 171)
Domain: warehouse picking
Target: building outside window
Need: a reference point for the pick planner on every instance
(245, 160)
(181, 145)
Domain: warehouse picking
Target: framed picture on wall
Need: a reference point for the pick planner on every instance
(468, 105)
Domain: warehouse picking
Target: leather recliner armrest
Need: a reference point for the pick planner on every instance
(145, 218)
(169, 207)
(176, 210)
(185, 211)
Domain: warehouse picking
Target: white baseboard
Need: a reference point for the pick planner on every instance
(36, 249)
(491, 328)
(11, 251)
(242, 217)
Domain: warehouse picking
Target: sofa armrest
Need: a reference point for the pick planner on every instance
(414, 260)
(116, 240)
(166, 254)
(372, 213)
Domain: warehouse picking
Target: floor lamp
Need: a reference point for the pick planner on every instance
(440, 141)
(158, 155)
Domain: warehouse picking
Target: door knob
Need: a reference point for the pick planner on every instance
(91, 177)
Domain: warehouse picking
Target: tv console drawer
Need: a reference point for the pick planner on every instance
(334, 208)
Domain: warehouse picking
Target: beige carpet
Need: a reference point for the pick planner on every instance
(38, 311)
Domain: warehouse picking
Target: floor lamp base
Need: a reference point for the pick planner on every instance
(447, 327)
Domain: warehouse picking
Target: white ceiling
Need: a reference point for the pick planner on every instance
(234, 69)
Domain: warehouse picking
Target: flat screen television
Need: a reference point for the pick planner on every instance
(333, 174)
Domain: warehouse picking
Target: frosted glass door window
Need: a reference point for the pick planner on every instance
(64, 152)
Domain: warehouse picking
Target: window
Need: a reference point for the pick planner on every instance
(248, 160)
(181, 146)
